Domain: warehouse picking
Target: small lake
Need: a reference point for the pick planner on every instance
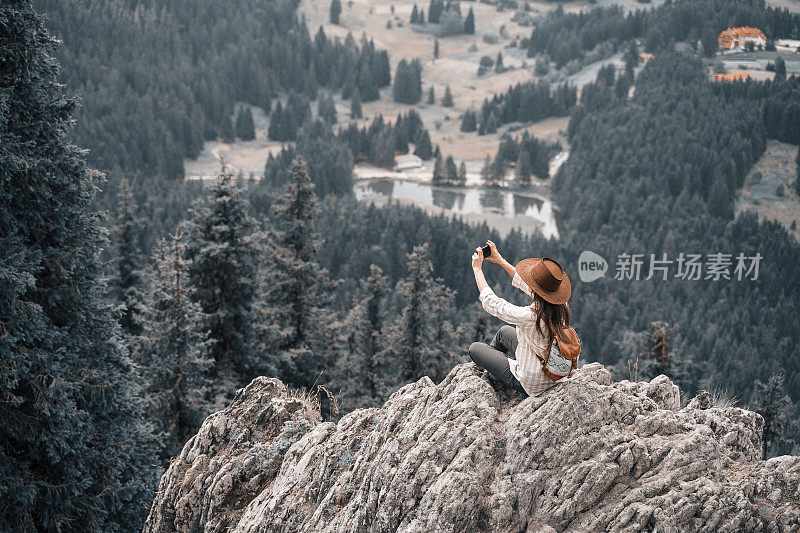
(503, 210)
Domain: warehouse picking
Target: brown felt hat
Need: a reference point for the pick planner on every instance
(546, 278)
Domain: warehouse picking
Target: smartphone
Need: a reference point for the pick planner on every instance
(487, 251)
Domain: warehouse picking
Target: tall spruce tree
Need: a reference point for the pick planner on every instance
(415, 19)
(443, 335)
(355, 104)
(447, 99)
(126, 282)
(409, 343)
(423, 148)
(245, 126)
(469, 122)
(177, 350)
(335, 11)
(462, 173)
(771, 401)
(408, 82)
(469, 23)
(224, 249)
(298, 290)
(73, 450)
(450, 170)
(780, 69)
(439, 171)
(797, 179)
(360, 374)
(523, 169)
(435, 9)
(326, 110)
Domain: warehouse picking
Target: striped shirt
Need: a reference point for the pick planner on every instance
(527, 367)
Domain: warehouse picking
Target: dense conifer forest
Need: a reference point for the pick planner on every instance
(134, 303)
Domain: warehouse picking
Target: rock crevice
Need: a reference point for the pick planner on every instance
(587, 455)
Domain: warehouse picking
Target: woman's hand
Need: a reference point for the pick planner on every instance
(495, 257)
(477, 259)
(498, 259)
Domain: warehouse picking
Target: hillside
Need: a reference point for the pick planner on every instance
(460, 456)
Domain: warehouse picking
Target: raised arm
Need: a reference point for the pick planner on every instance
(516, 281)
(493, 304)
(498, 259)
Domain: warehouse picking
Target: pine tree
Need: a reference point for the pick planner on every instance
(631, 56)
(431, 96)
(498, 63)
(439, 172)
(224, 253)
(462, 174)
(479, 327)
(73, 449)
(414, 15)
(523, 170)
(447, 99)
(655, 352)
(469, 23)
(797, 179)
(367, 87)
(382, 69)
(490, 126)
(298, 288)
(443, 336)
(326, 110)
(360, 374)
(177, 351)
(435, 9)
(355, 105)
(126, 283)
(469, 122)
(780, 69)
(771, 402)
(451, 171)
(423, 147)
(436, 49)
(275, 123)
(245, 127)
(409, 341)
(408, 82)
(335, 11)
(487, 177)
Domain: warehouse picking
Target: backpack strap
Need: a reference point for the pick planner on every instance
(553, 377)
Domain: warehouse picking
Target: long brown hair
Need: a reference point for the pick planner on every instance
(555, 318)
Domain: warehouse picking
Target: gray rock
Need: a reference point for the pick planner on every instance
(587, 455)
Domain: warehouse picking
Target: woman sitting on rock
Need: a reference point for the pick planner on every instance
(542, 346)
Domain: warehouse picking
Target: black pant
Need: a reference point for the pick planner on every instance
(493, 357)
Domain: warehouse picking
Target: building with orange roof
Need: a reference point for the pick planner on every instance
(738, 37)
(732, 76)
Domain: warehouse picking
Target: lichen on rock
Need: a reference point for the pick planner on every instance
(462, 455)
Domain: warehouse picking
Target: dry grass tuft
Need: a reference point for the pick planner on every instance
(319, 401)
(723, 397)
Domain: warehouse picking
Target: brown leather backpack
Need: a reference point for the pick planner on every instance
(562, 361)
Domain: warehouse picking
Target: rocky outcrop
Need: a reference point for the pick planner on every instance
(587, 455)
(232, 459)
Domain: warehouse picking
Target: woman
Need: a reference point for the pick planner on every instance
(543, 347)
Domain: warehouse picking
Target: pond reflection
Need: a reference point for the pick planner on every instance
(529, 210)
